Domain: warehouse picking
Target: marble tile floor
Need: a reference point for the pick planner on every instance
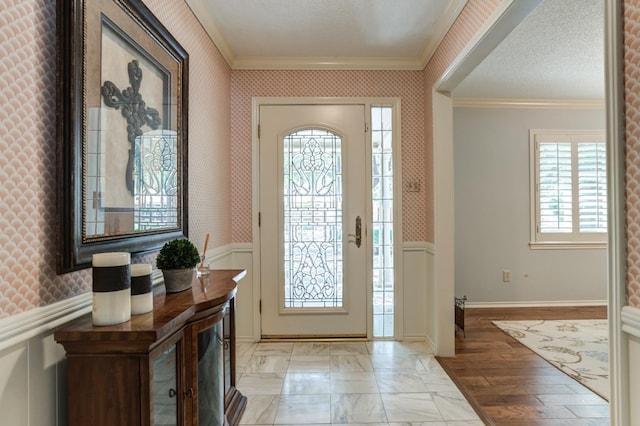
(347, 383)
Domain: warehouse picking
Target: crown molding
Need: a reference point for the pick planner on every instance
(443, 26)
(325, 63)
(528, 103)
(203, 16)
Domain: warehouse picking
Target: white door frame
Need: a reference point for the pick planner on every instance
(256, 102)
(619, 404)
(506, 17)
(345, 123)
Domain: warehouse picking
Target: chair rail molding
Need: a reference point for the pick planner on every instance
(418, 246)
(26, 325)
(630, 317)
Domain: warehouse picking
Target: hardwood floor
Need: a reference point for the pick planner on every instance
(507, 384)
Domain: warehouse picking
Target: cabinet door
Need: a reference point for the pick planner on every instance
(165, 387)
(207, 371)
(235, 402)
(229, 355)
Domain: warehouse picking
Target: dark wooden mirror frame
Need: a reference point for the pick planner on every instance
(74, 251)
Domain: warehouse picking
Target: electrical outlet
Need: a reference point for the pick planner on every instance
(506, 276)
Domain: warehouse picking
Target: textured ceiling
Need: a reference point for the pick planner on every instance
(557, 52)
(250, 32)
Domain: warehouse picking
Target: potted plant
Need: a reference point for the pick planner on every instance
(177, 260)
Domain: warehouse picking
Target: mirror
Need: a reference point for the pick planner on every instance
(122, 131)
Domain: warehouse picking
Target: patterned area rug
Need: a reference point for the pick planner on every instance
(579, 348)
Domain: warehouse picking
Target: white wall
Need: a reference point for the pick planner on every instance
(491, 161)
(30, 373)
(634, 379)
(32, 367)
(417, 286)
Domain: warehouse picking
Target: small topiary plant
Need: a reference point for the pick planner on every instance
(178, 254)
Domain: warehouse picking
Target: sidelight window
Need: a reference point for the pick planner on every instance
(382, 220)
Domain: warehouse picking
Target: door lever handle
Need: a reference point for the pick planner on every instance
(358, 234)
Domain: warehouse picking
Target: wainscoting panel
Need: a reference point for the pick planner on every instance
(634, 379)
(220, 257)
(245, 302)
(417, 282)
(14, 388)
(631, 326)
(33, 367)
(239, 256)
(47, 370)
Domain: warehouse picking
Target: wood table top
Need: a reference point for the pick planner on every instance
(170, 312)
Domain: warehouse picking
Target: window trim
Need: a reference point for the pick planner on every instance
(555, 241)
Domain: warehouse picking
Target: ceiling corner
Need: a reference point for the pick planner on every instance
(203, 15)
(442, 28)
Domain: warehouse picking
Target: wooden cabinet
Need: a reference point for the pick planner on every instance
(172, 366)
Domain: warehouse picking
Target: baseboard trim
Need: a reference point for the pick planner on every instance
(26, 325)
(536, 304)
(425, 339)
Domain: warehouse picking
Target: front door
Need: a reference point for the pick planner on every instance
(313, 198)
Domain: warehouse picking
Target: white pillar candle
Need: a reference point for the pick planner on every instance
(141, 289)
(111, 288)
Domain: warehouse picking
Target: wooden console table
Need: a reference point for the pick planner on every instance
(172, 366)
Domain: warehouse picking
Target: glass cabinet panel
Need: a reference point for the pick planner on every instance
(226, 325)
(210, 377)
(165, 386)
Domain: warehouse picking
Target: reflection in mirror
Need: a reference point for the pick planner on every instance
(156, 178)
(154, 202)
(132, 186)
(134, 110)
(122, 136)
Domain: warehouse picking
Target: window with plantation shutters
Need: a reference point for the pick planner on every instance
(569, 188)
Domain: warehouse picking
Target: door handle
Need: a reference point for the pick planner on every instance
(358, 234)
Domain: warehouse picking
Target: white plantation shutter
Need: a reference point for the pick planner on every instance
(592, 187)
(569, 187)
(555, 187)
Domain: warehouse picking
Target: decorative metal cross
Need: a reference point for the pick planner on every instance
(134, 110)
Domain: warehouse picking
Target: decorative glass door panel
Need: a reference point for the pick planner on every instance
(313, 198)
(312, 220)
(165, 388)
(210, 376)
